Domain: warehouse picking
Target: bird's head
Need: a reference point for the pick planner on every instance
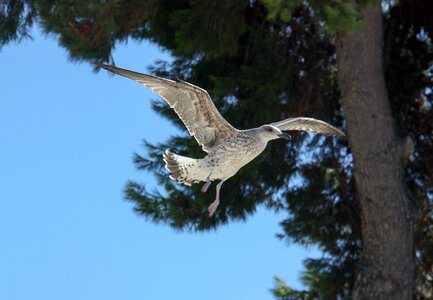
(270, 132)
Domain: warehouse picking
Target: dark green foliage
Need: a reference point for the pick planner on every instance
(16, 18)
(334, 15)
(283, 292)
(89, 29)
(200, 20)
(281, 61)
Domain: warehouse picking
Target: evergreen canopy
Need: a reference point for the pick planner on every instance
(282, 59)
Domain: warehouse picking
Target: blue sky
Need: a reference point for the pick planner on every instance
(67, 138)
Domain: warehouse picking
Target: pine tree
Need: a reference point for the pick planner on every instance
(282, 59)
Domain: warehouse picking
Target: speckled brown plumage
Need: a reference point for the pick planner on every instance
(228, 148)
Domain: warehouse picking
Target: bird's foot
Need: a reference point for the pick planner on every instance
(206, 185)
(212, 208)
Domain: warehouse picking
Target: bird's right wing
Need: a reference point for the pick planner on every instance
(192, 104)
(308, 124)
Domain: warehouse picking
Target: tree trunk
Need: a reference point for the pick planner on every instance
(387, 265)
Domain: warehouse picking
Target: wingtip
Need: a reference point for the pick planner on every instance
(98, 64)
(341, 133)
(335, 131)
(102, 66)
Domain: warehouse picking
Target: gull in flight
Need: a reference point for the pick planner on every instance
(228, 149)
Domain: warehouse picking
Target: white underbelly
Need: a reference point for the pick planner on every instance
(227, 165)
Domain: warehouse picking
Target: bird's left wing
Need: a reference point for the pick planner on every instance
(308, 124)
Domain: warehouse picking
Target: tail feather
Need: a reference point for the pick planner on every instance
(179, 167)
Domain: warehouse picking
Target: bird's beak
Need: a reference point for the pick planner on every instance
(285, 136)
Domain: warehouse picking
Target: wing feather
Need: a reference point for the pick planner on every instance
(192, 104)
(307, 124)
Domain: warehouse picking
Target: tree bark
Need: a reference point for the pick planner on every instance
(387, 265)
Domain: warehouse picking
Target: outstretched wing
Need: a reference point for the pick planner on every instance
(307, 124)
(192, 104)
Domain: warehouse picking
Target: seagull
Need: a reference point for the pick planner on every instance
(228, 149)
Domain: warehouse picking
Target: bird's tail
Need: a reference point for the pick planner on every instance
(181, 168)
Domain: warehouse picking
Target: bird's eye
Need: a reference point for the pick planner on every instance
(269, 129)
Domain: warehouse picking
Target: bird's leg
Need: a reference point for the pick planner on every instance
(213, 206)
(207, 184)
